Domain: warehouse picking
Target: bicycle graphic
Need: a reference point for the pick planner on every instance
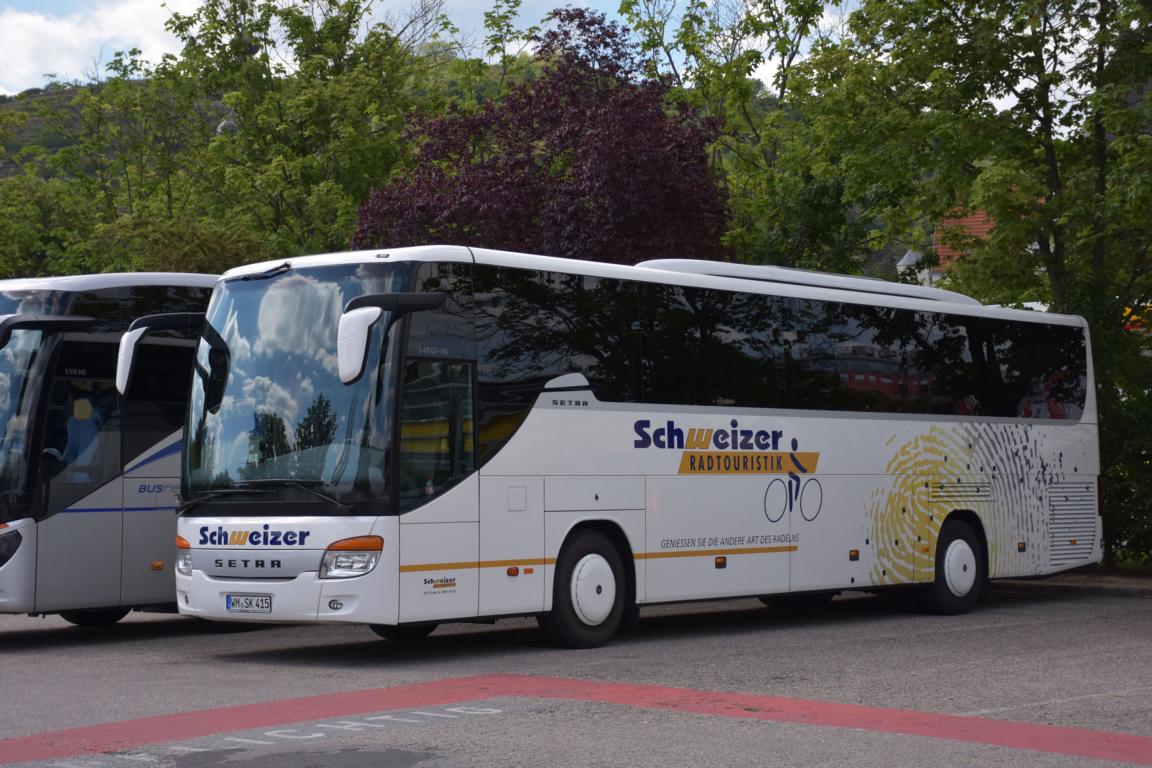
(786, 495)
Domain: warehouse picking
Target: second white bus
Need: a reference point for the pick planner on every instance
(90, 476)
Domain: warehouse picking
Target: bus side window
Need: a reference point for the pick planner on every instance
(81, 449)
(437, 432)
(157, 395)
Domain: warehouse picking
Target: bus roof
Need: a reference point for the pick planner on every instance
(703, 274)
(772, 274)
(108, 280)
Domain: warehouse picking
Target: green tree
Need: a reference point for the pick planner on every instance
(312, 102)
(1038, 114)
(737, 61)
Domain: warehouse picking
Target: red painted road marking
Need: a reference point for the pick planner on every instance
(109, 737)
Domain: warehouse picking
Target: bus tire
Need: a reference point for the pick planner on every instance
(101, 618)
(405, 633)
(589, 592)
(960, 572)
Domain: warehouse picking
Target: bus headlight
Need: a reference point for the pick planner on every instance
(348, 558)
(183, 556)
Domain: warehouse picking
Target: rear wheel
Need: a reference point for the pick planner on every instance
(960, 572)
(101, 618)
(406, 633)
(588, 593)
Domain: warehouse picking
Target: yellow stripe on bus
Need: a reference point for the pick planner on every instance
(481, 564)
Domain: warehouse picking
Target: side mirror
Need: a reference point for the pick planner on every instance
(126, 357)
(140, 327)
(361, 313)
(352, 341)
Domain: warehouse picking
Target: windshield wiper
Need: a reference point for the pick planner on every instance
(279, 269)
(267, 483)
(213, 494)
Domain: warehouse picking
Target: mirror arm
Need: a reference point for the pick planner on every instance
(64, 323)
(398, 302)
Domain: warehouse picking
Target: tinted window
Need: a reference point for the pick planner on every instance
(850, 357)
(158, 393)
(142, 300)
(81, 446)
(448, 330)
(713, 348)
(1037, 371)
(949, 365)
(693, 346)
(437, 440)
(534, 326)
(705, 347)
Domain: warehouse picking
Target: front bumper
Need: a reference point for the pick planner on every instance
(306, 599)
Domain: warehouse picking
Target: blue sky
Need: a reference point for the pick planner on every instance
(74, 39)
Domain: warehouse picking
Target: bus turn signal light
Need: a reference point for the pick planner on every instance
(182, 543)
(358, 544)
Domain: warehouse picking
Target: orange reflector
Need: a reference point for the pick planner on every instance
(182, 543)
(853, 555)
(157, 565)
(357, 544)
(1071, 541)
(1021, 546)
(529, 571)
(513, 570)
(926, 550)
(721, 562)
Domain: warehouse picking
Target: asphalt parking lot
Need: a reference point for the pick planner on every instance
(1043, 677)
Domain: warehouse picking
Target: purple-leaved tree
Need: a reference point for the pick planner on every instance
(587, 161)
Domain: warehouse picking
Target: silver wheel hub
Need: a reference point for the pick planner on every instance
(959, 567)
(593, 589)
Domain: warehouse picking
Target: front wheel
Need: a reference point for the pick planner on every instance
(960, 573)
(101, 618)
(588, 593)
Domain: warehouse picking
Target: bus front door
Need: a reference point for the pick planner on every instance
(79, 536)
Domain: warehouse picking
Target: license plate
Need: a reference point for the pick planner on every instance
(248, 603)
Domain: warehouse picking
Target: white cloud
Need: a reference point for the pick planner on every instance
(299, 315)
(263, 394)
(78, 45)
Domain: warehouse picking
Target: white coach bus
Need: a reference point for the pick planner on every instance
(406, 437)
(89, 479)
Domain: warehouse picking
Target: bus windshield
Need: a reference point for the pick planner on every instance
(19, 390)
(19, 386)
(268, 411)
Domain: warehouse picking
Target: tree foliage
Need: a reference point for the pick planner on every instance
(260, 139)
(585, 161)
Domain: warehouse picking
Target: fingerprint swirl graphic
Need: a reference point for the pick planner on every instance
(997, 471)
